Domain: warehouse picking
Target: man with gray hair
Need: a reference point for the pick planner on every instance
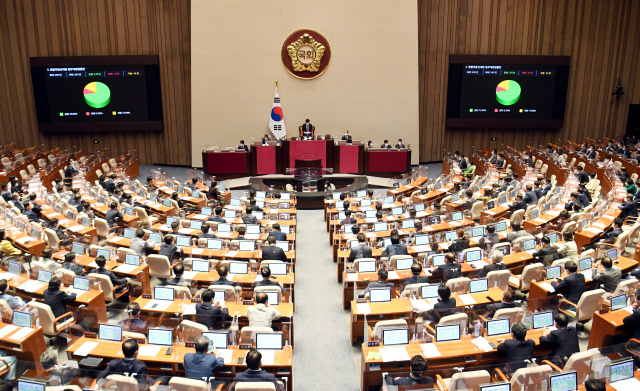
(496, 264)
(200, 364)
(56, 374)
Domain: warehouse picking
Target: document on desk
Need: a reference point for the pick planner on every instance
(547, 286)
(224, 235)
(478, 264)
(455, 223)
(185, 231)
(539, 220)
(149, 351)
(231, 253)
(385, 206)
(126, 268)
(594, 230)
(394, 354)
(422, 248)
(190, 275)
(197, 251)
(553, 212)
(227, 355)
(631, 384)
(93, 264)
(76, 228)
(352, 277)
(393, 275)
(159, 305)
(467, 299)
(7, 276)
(268, 356)
(363, 308)
(7, 329)
(588, 274)
(482, 344)
(420, 305)
(430, 350)
(32, 286)
(189, 309)
(627, 308)
(85, 349)
(24, 240)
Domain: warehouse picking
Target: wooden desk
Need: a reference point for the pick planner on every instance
(605, 326)
(407, 189)
(587, 236)
(75, 228)
(20, 241)
(28, 349)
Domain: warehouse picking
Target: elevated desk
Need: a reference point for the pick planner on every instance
(266, 159)
(387, 163)
(348, 159)
(300, 149)
(226, 164)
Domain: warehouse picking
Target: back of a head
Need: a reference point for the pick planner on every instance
(469, 193)
(355, 229)
(607, 262)
(361, 237)
(519, 331)
(449, 258)
(178, 269)
(49, 358)
(54, 283)
(129, 348)
(416, 269)
(418, 364)
(241, 231)
(201, 343)
(223, 270)
(133, 308)
(497, 256)
(383, 274)
(168, 239)
(491, 228)
(101, 261)
(174, 225)
(460, 233)
(571, 266)
(271, 239)
(395, 239)
(418, 225)
(261, 298)
(594, 385)
(69, 257)
(139, 233)
(208, 295)
(515, 226)
(444, 292)
(253, 359)
(265, 272)
(561, 319)
(3, 286)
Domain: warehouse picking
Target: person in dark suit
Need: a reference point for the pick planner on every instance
(348, 219)
(396, 248)
(6, 195)
(253, 204)
(500, 161)
(361, 250)
(204, 233)
(307, 129)
(112, 215)
(470, 200)
(254, 373)
(419, 366)
(129, 364)
(266, 139)
(591, 154)
(449, 270)
(582, 198)
(507, 301)
(537, 189)
(178, 271)
(57, 299)
(346, 137)
(572, 286)
(15, 198)
(633, 321)
(517, 350)
(223, 271)
(491, 237)
(548, 253)
(217, 217)
(265, 272)
(583, 177)
(573, 199)
(249, 218)
(612, 236)
(273, 252)
(582, 189)
(547, 186)
(385, 145)
(69, 264)
(243, 146)
(200, 364)
(610, 276)
(382, 282)
(629, 208)
(133, 322)
(208, 313)
(110, 185)
(530, 197)
(494, 156)
(31, 215)
(624, 151)
(400, 144)
(168, 249)
(462, 162)
(461, 243)
(70, 171)
(118, 283)
(280, 236)
(520, 204)
(496, 264)
(416, 270)
(563, 342)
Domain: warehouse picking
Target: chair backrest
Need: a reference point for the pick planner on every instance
(266, 288)
(416, 288)
(102, 227)
(515, 314)
(460, 284)
(569, 227)
(191, 330)
(255, 329)
(6, 309)
(529, 273)
(159, 266)
(476, 209)
(389, 325)
(523, 378)
(123, 383)
(106, 167)
(499, 279)
(46, 317)
(184, 384)
(627, 286)
(52, 238)
(37, 265)
(64, 388)
(517, 217)
(468, 380)
(181, 292)
(581, 362)
(131, 334)
(461, 319)
(105, 285)
(255, 386)
(589, 303)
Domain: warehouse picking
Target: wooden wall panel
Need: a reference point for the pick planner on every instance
(39, 28)
(602, 38)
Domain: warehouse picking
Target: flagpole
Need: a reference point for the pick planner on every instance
(276, 86)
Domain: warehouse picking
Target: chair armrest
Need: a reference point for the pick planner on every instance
(482, 318)
(552, 365)
(569, 303)
(519, 282)
(370, 331)
(626, 347)
(440, 383)
(55, 321)
(430, 329)
(499, 376)
(630, 220)
(126, 290)
(219, 387)
(7, 368)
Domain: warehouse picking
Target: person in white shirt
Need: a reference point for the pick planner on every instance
(569, 249)
(262, 315)
(47, 259)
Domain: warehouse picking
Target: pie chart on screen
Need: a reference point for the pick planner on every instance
(508, 92)
(97, 95)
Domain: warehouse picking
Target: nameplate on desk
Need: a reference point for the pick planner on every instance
(245, 347)
(194, 300)
(389, 269)
(372, 344)
(146, 296)
(361, 300)
(247, 302)
(350, 271)
(89, 334)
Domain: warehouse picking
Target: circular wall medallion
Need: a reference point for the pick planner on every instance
(306, 54)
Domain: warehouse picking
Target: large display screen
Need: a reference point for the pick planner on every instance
(97, 93)
(507, 91)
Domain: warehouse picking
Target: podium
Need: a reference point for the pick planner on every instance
(308, 163)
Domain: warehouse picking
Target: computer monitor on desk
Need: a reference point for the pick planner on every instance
(269, 341)
(542, 319)
(498, 327)
(473, 255)
(438, 260)
(218, 340)
(21, 319)
(109, 332)
(392, 337)
(158, 336)
(429, 291)
(621, 369)
(585, 263)
(380, 295)
(278, 269)
(448, 333)
(30, 385)
(618, 302)
(567, 381)
(501, 386)
(478, 285)
(366, 267)
(163, 293)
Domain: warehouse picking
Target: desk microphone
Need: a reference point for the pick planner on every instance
(312, 155)
(303, 155)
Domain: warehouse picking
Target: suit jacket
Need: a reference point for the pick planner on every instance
(447, 271)
(273, 253)
(517, 351)
(633, 322)
(199, 365)
(209, 314)
(347, 138)
(538, 192)
(378, 284)
(265, 141)
(547, 252)
(70, 171)
(489, 238)
(243, 146)
(140, 246)
(563, 342)
(398, 146)
(74, 267)
(413, 280)
(459, 245)
(530, 197)
(217, 219)
(58, 300)
(407, 380)
(395, 249)
(583, 200)
(223, 281)
(111, 216)
(546, 189)
(168, 250)
(493, 159)
(136, 326)
(121, 365)
(360, 251)
(349, 220)
(513, 235)
(249, 219)
(609, 278)
(114, 280)
(280, 236)
(499, 162)
(110, 186)
(519, 205)
(469, 203)
(307, 129)
(629, 209)
(31, 215)
(249, 375)
(203, 235)
(463, 164)
(6, 195)
(490, 268)
(612, 235)
(571, 287)
(583, 177)
(388, 146)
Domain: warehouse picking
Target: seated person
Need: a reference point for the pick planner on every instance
(249, 218)
(70, 264)
(419, 366)
(416, 270)
(348, 219)
(461, 243)
(491, 237)
(516, 232)
(14, 302)
(57, 299)
(168, 249)
(450, 269)
(55, 374)
(277, 232)
(243, 146)
(48, 261)
(572, 286)
(139, 245)
(563, 341)
(205, 233)
(395, 248)
(520, 204)
(610, 276)
(134, 323)
(507, 301)
(201, 364)
(273, 252)
(217, 217)
(6, 246)
(113, 216)
(569, 248)
(261, 315)
(517, 349)
(208, 313)
(128, 364)
(548, 253)
(265, 272)
(118, 283)
(496, 264)
(242, 230)
(177, 279)
(223, 271)
(382, 282)
(254, 373)
(361, 250)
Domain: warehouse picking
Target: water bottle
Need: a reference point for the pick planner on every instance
(476, 329)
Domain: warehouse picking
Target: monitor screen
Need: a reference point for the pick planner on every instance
(618, 302)
(455, 197)
(365, 202)
(502, 386)
(498, 327)
(448, 333)
(132, 259)
(238, 267)
(128, 211)
(361, 193)
(379, 227)
(253, 229)
(247, 245)
(214, 244)
(109, 332)
(408, 223)
(404, 263)
(44, 275)
(195, 224)
(501, 226)
(278, 269)
(386, 242)
(353, 243)
(366, 267)
(218, 340)
(77, 248)
(529, 244)
(370, 214)
(195, 194)
(419, 207)
(160, 337)
(219, 296)
(450, 236)
(535, 213)
(543, 319)
(27, 385)
(206, 211)
(163, 293)
(129, 233)
(553, 237)
(438, 260)
(183, 241)
(286, 196)
(456, 216)
(234, 202)
(14, 268)
(621, 369)
(342, 215)
(284, 245)
(388, 200)
(222, 187)
(171, 220)
(104, 252)
(152, 197)
(224, 227)
(564, 381)
(284, 205)
(35, 234)
(258, 214)
(393, 337)
(477, 232)
(503, 199)
(336, 195)
(263, 195)
(86, 222)
(479, 285)
(396, 211)
(155, 238)
(473, 255)
(429, 291)
(269, 341)
(585, 263)
(21, 319)
(229, 214)
(613, 254)
(380, 295)
(200, 266)
(81, 283)
(273, 297)
(553, 272)
(421, 240)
